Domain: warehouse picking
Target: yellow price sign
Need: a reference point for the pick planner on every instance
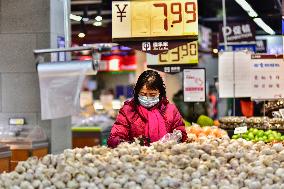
(167, 19)
(185, 54)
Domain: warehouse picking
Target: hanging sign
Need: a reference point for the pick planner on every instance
(154, 26)
(234, 70)
(194, 85)
(267, 81)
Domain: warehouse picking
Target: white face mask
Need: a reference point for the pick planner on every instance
(148, 102)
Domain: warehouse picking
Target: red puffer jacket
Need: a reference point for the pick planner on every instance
(131, 124)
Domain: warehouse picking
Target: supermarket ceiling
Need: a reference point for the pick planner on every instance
(210, 15)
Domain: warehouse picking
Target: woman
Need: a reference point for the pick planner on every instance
(148, 116)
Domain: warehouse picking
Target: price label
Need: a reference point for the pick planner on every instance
(240, 130)
(154, 18)
(16, 121)
(185, 54)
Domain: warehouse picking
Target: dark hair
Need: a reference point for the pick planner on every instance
(153, 81)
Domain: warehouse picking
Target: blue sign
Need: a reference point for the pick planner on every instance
(239, 47)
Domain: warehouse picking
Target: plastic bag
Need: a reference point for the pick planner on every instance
(175, 136)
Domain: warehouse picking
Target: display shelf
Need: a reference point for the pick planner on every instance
(23, 152)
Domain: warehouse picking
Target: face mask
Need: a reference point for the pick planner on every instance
(148, 102)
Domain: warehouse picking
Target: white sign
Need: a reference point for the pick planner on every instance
(194, 85)
(234, 69)
(267, 79)
(153, 19)
(240, 130)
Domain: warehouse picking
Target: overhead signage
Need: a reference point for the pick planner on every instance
(194, 85)
(267, 81)
(237, 32)
(234, 74)
(205, 39)
(152, 25)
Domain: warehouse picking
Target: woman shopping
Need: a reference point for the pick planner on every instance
(148, 116)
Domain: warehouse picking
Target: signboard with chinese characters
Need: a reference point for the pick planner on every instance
(147, 24)
(267, 81)
(194, 86)
(234, 70)
(237, 32)
(185, 54)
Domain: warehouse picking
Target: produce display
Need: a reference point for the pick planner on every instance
(256, 135)
(209, 163)
(232, 122)
(196, 132)
(273, 105)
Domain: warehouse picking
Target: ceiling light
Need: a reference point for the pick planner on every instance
(75, 17)
(99, 18)
(81, 35)
(97, 23)
(215, 51)
(247, 8)
(264, 26)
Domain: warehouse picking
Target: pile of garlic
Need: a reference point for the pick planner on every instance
(206, 164)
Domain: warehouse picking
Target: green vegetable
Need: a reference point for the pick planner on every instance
(205, 121)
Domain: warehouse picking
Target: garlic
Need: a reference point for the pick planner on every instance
(207, 163)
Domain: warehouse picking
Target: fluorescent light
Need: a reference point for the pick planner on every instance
(247, 8)
(81, 35)
(97, 23)
(99, 18)
(75, 17)
(264, 26)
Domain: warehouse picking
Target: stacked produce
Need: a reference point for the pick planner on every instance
(273, 106)
(208, 163)
(196, 132)
(256, 135)
(231, 122)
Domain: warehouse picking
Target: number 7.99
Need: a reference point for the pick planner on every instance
(176, 9)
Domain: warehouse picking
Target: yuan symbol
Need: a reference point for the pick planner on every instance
(121, 13)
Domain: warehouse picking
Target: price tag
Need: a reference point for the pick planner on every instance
(154, 19)
(16, 121)
(240, 130)
(185, 54)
